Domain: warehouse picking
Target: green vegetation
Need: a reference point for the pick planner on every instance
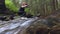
(9, 4)
(42, 7)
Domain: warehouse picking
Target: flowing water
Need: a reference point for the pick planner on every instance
(15, 26)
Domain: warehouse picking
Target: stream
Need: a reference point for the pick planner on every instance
(16, 25)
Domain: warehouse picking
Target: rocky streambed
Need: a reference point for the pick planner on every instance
(16, 25)
(22, 25)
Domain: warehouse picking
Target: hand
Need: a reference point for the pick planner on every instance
(24, 6)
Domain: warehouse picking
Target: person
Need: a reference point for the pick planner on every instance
(22, 9)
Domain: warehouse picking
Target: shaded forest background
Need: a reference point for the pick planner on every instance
(43, 7)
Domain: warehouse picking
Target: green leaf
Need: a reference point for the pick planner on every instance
(9, 4)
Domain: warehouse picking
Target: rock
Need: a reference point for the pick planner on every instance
(55, 30)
